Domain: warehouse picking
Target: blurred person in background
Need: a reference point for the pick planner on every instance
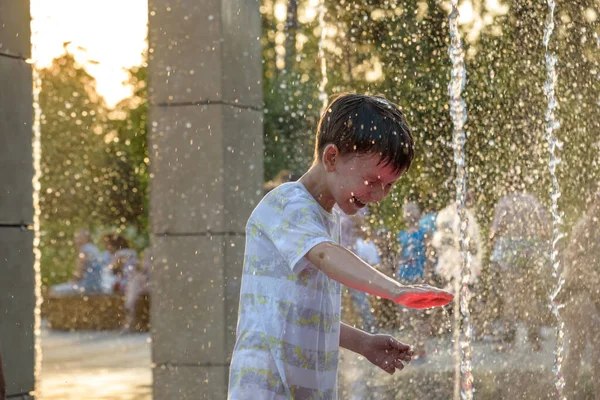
(446, 241)
(580, 296)
(136, 286)
(411, 265)
(87, 275)
(520, 236)
(123, 260)
(428, 224)
(412, 253)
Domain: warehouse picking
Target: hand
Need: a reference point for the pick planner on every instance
(387, 353)
(422, 296)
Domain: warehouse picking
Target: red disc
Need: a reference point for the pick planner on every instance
(424, 299)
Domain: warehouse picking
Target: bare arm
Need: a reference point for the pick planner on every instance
(384, 351)
(345, 267)
(353, 339)
(342, 265)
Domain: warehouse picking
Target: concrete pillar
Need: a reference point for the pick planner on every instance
(206, 148)
(17, 278)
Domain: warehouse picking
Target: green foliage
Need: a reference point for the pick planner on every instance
(72, 162)
(291, 108)
(506, 149)
(127, 157)
(94, 163)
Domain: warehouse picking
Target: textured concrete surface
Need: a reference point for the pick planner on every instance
(206, 153)
(16, 210)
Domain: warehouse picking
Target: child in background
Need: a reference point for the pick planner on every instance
(289, 329)
(411, 269)
(411, 262)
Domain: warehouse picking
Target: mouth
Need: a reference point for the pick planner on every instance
(357, 202)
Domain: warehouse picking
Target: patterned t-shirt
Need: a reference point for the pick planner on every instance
(288, 329)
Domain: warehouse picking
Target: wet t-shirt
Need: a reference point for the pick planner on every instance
(288, 329)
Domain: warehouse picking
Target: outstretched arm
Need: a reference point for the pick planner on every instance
(342, 265)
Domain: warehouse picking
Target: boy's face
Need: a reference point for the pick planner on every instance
(357, 180)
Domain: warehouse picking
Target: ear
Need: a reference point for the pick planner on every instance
(331, 156)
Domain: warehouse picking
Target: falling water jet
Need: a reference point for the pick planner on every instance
(553, 161)
(597, 37)
(323, 84)
(463, 385)
(37, 153)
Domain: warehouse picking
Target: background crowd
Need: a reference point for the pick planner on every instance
(118, 269)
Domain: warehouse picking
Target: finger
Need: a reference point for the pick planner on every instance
(398, 364)
(389, 369)
(387, 365)
(398, 345)
(406, 357)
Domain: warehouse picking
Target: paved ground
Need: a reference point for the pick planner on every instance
(95, 366)
(514, 372)
(106, 365)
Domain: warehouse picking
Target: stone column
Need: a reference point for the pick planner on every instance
(206, 148)
(17, 279)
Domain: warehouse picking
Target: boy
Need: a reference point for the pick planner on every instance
(289, 329)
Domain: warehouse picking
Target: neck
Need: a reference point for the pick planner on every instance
(315, 182)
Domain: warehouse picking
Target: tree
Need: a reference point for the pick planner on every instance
(127, 158)
(72, 127)
(94, 163)
(408, 42)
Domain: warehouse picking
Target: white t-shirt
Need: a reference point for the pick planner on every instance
(288, 329)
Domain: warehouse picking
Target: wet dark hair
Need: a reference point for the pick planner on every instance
(362, 124)
(116, 241)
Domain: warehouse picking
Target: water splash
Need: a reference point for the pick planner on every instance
(554, 160)
(37, 173)
(597, 37)
(458, 112)
(323, 84)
